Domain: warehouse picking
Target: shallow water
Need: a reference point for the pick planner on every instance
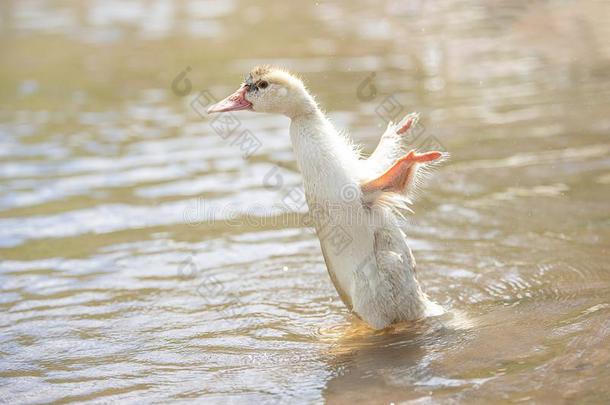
(145, 256)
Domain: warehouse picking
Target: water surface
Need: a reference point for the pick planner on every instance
(145, 255)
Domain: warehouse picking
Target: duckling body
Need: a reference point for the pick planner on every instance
(352, 201)
(374, 273)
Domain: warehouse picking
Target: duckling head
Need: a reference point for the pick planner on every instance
(271, 90)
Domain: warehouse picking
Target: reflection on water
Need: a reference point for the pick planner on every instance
(143, 256)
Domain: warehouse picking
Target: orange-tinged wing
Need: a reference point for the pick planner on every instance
(396, 178)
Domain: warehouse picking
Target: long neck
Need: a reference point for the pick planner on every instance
(326, 160)
(302, 104)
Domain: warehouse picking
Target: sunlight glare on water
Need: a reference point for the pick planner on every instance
(145, 257)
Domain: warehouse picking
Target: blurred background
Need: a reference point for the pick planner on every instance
(146, 254)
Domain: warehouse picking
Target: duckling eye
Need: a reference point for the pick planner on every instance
(263, 84)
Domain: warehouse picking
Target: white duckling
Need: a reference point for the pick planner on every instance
(356, 199)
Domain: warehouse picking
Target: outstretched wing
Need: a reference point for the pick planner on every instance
(392, 145)
(396, 151)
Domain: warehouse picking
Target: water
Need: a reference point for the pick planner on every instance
(143, 257)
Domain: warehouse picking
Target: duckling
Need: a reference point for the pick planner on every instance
(358, 199)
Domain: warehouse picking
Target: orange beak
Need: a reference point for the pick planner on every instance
(236, 101)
